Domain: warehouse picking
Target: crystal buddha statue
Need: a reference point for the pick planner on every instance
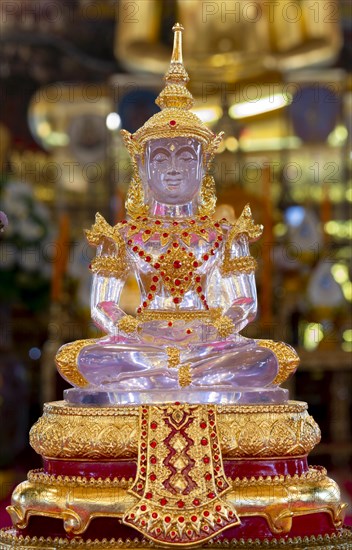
(195, 273)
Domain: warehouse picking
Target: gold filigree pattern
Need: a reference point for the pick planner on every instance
(110, 266)
(180, 497)
(128, 324)
(76, 501)
(71, 434)
(207, 201)
(184, 376)
(173, 357)
(9, 539)
(224, 325)
(112, 432)
(243, 264)
(287, 358)
(178, 315)
(101, 230)
(66, 362)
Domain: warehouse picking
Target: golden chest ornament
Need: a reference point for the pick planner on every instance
(177, 267)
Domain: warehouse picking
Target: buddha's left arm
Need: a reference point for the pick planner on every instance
(238, 283)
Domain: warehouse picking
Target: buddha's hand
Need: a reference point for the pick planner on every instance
(129, 326)
(162, 332)
(241, 312)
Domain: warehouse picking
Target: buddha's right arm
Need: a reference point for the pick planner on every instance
(110, 268)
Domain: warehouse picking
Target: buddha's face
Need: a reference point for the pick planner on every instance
(173, 169)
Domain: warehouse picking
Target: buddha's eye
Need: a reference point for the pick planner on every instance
(187, 157)
(160, 158)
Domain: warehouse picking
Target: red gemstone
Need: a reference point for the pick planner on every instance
(157, 222)
(152, 477)
(219, 238)
(216, 224)
(147, 232)
(180, 504)
(230, 513)
(153, 460)
(163, 501)
(153, 425)
(195, 264)
(132, 516)
(145, 304)
(211, 495)
(196, 502)
(216, 245)
(216, 457)
(167, 519)
(204, 441)
(202, 231)
(170, 323)
(213, 434)
(175, 245)
(199, 289)
(155, 279)
(129, 242)
(158, 530)
(185, 234)
(220, 483)
(147, 258)
(150, 296)
(177, 282)
(218, 508)
(143, 470)
(153, 444)
(156, 265)
(194, 518)
(202, 297)
(135, 248)
(133, 227)
(188, 331)
(206, 460)
(139, 310)
(143, 507)
(207, 476)
(181, 519)
(206, 513)
(172, 123)
(192, 222)
(148, 495)
(205, 257)
(165, 235)
(167, 278)
(176, 300)
(203, 425)
(153, 288)
(198, 279)
(154, 515)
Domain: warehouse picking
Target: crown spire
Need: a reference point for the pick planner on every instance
(177, 50)
(175, 93)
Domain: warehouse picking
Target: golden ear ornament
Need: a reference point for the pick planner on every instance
(207, 199)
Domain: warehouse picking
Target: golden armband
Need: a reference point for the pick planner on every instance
(243, 264)
(110, 266)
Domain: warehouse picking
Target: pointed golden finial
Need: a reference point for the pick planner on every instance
(177, 50)
(175, 93)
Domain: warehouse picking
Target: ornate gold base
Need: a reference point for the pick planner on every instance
(9, 540)
(109, 433)
(77, 501)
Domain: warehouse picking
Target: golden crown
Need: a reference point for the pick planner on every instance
(174, 119)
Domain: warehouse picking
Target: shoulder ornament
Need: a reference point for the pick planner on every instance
(244, 225)
(102, 230)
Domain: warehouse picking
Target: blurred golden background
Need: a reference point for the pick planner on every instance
(276, 77)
